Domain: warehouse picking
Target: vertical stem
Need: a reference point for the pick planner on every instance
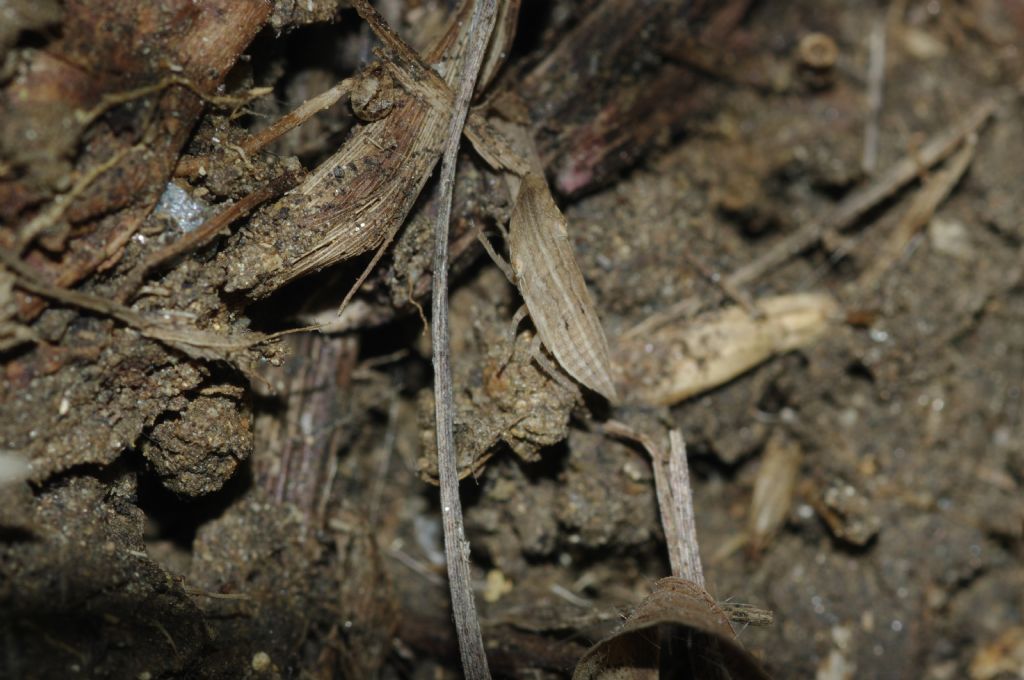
(686, 549)
(467, 625)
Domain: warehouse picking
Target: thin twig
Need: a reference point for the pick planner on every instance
(192, 341)
(678, 310)
(300, 115)
(935, 190)
(189, 166)
(109, 101)
(196, 592)
(53, 213)
(467, 625)
(876, 82)
(735, 293)
(861, 200)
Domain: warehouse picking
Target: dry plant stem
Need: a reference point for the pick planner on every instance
(876, 80)
(680, 310)
(935, 190)
(861, 200)
(675, 501)
(467, 625)
(428, 84)
(300, 115)
(747, 614)
(190, 165)
(86, 118)
(192, 341)
(684, 543)
(207, 231)
(737, 295)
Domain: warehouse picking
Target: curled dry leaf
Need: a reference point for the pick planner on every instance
(552, 285)
(676, 362)
(357, 199)
(678, 631)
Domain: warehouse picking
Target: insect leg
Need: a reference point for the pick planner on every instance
(502, 263)
(550, 368)
(517, 319)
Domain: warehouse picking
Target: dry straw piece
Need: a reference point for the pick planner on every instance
(676, 362)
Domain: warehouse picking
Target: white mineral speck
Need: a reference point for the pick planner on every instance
(181, 208)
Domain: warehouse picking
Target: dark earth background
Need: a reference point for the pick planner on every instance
(188, 518)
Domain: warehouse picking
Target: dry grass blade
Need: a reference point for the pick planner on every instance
(467, 625)
(675, 500)
(682, 508)
(553, 288)
(501, 41)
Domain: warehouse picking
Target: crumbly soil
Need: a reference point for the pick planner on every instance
(275, 515)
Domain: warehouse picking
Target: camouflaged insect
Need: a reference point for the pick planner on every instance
(552, 285)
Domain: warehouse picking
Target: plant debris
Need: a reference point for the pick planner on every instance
(766, 256)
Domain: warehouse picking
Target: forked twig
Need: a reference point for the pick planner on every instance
(467, 625)
(109, 101)
(675, 500)
(192, 341)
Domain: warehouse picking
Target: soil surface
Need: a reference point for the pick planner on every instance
(183, 497)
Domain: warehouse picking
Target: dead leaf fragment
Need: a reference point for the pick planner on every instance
(674, 363)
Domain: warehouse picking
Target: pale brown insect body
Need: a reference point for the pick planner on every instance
(552, 285)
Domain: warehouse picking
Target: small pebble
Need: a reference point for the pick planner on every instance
(261, 662)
